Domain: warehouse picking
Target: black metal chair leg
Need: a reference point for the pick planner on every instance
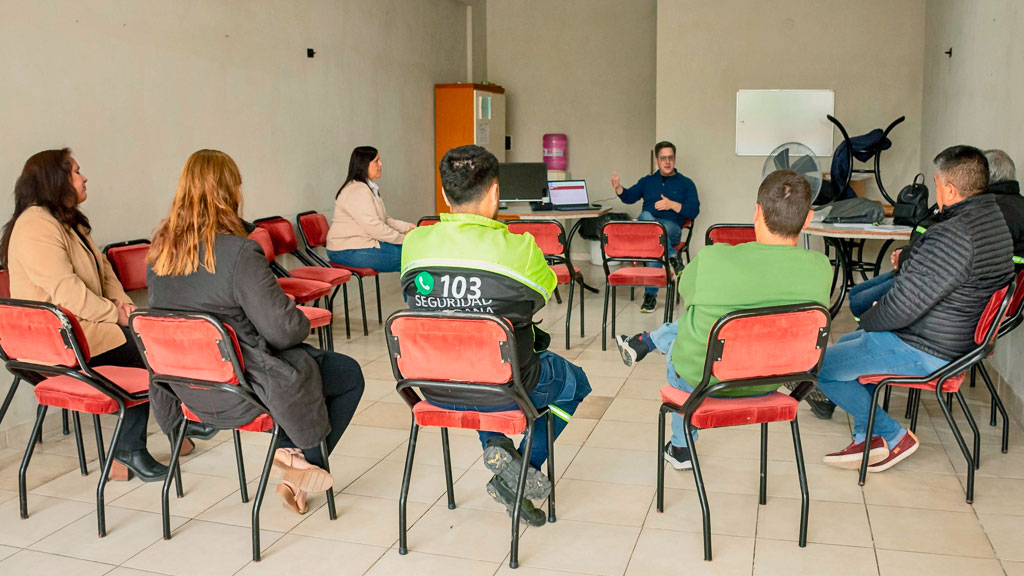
(344, 301)
(403, 496)
(568, 312)
(77, 420)
(614, 311)
(65, 423)
(551, 465)
(705, 510)
(885, 402)
(604, 319)
(22, 488)
(242, 487)
(445, 448)
(9, 397)
(974, 428)
(98, 431)
(916, 409)
(558, 297)
(869, 432)
(513, 561)
(165, 506)
(999, 404)
(332, 510)
(974, 371)
(583, 316)
(380, 315)
(660, 490)
(763, 494)
(261, 491)
(805, 497)
(959, 440)
(362, 305)
(108, 463)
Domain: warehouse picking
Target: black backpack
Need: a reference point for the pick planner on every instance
(911, 203)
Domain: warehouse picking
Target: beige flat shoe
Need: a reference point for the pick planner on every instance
(291, 467)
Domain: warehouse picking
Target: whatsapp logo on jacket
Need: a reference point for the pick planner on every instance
(424, 283)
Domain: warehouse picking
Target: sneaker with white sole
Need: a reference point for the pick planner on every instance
(905, 447)
(631, 348)
(678, 457)
(850, 457)
(650, 303)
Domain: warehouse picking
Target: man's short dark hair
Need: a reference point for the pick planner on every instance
(662, 145)
(785, 199)
(467, 172)
(965, 167)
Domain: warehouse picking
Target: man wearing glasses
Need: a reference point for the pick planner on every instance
(668, 197)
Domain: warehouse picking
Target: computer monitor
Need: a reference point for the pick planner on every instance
(522, 181)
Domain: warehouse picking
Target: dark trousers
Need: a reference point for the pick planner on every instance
(136, 418)
(343, 387)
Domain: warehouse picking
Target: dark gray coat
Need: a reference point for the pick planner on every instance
(954, 269)
(245, 295)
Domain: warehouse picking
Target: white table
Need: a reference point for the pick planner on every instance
(837, 235)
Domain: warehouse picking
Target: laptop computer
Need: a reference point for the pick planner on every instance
(569, 195)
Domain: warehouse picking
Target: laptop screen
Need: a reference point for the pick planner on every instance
(567, 192)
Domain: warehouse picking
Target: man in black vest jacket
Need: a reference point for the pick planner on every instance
(929, 315)
(1002, 183)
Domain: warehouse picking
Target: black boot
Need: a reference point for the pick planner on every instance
(142, 464)
(200, 430)
(506, 495)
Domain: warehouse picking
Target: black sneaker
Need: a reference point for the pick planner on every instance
(632, 349)
(650, 303)
(823, 409)
(504, 494)
(676, 262)
(502, 459)
(678, 457)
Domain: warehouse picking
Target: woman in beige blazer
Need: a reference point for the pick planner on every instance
(362, 235)
(51, 257)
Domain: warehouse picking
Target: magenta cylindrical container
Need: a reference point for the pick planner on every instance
(556, 151)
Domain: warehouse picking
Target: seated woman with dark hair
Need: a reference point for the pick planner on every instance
(362, 235)
(201, 261)
(51, 257)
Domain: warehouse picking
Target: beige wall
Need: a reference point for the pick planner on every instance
(135, 87)
(870, 53)
(584, 68)
(975, 98)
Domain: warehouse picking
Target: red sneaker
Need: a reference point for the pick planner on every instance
(851, 456)
(905, 447)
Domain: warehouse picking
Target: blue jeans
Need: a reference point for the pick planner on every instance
(864, 295)
(859, 353)
(387, 258)
(675, 234)
(562, 384)
(664, 337)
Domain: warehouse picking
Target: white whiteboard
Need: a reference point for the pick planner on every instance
(768, 118)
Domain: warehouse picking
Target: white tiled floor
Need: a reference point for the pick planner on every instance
(907, 521)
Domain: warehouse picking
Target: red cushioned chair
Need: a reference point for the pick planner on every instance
(195, 358)
(632, 243)
(428, 220)
(128, 259)
(1014, 318)
(283, 236)
(773, 345)
(462, 351)
(44, 345)
(684, 245)
(550, 236)
(301, 290)
(948, 379)
(313, 228)
(729, 234)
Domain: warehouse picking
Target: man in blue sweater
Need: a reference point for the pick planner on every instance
(668, 197)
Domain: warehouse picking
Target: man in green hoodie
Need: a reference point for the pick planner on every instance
(722, 278)
(471, 262)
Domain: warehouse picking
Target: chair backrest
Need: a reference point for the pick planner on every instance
(281, 234)
(5, 284)
(993, 315)
(313, 226)
(40, 333)
(769, 342)
(128, 259)
(187, 346)
(428, 220)
(262, 237)
(451, 347)
(1014, 311)
(549, 234)
(729, 234)
(640, 240)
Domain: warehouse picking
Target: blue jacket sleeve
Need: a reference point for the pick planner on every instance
(691, 204)
(632, 194)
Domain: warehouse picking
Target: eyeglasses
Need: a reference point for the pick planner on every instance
(666, 157)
